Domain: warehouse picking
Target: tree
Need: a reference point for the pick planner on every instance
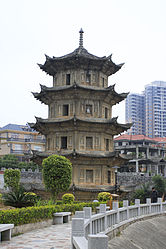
(160, 185)
(57, 174)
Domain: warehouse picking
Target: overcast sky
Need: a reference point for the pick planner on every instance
(134, 31)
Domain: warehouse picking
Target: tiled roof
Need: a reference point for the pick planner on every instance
(16, 127)
(160, 139)
(133, 137)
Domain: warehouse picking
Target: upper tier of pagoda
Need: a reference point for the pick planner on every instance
(80, 58)
(108, 94)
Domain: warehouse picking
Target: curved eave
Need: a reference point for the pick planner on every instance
(42, 96)
(75, 154)
(112, 122)
(79, 57)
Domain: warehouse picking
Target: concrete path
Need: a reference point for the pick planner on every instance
(149, 234)
(53, 237)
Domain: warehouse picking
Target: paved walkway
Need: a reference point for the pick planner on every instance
(53, 237)
(149, 234)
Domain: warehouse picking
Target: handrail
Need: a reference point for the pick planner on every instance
(92, 229)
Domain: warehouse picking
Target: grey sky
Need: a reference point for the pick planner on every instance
(134, 31)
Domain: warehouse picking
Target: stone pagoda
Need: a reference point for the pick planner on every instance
(80, 124)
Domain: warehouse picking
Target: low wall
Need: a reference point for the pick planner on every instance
(31, 226)
(90, 231)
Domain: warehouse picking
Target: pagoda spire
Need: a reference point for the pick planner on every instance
(81, 38)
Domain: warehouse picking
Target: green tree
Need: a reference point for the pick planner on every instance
(57, 174)
(160, 185)
(12, 178)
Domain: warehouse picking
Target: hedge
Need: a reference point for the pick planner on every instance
(20, 216)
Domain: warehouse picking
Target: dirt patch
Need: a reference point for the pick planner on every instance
(3, 207)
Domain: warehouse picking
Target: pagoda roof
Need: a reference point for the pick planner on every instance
(80, 58)
(74, 119)
(74, 153)
(42, 96)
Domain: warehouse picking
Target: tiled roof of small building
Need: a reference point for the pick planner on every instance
(133, 137)
(16, 127)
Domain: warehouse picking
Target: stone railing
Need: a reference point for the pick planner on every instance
(90, 231)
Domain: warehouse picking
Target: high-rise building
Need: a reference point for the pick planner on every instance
(155, 99)
(135, 113)
(147, 111)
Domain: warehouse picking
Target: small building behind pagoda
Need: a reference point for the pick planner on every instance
(80, 125)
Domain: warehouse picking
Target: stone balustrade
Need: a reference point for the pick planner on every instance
(90, 231)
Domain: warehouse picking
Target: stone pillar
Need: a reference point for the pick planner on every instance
(148, 201)
(88, 214)
(99, 241)
(77, 229)
(102, 208)
(115, 206)
(79, 214)
(147, 152)
(159, 200)
(136, 166)
(126, 204)
(137, 203)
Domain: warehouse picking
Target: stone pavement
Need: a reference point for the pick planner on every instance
(53, 237)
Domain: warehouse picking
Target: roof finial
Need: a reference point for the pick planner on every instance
(81, 38)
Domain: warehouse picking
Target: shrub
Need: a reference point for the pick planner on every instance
(1, 198)
(56, 174)
(12, 178)
(19, 198)
(104, 196)
(68, 198)
(20, 216)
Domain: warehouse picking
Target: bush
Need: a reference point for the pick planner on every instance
(12, 178)
(19, 198)
(68, 198)
(27, 215)
(56, 172)
(104, 196)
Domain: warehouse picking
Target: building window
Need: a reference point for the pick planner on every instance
(107, 144)
(18, 147)
(39, 148)
(89, 176)
(63, 142)
(89, 109)
(106, 112)
(88, 78)
(109, 176)
(68, 79)
(65, 110)
(89, 142)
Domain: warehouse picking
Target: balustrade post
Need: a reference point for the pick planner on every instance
(115, 206)
(77, 229)
(88, 214)
(159, 200)
(126, 204)
(79, 214)
(148, 201)
(137, 203)
(98, 241)
(102, 209)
